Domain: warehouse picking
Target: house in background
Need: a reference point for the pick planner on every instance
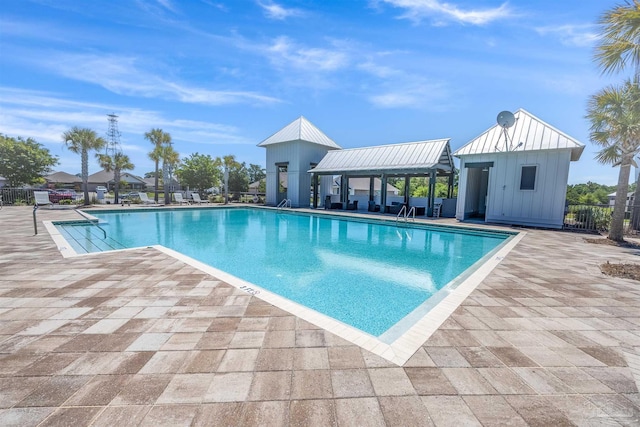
(291, 152)
(516, 175)
(359, 186)
(629, 201)
(64, 180)
(104, 178)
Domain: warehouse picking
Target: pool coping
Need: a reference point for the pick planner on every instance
(397, 352)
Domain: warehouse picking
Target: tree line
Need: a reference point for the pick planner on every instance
(26, 162)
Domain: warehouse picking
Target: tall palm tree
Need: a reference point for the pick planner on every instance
(81, 141)
(619, 44)
(159, 139)
(170, 160)
(116, 164)
(614, 113)
(617, 49)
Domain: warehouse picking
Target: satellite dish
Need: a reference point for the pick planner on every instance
(506, 119)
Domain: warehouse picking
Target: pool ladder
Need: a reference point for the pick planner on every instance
(283, 204)
(407, 215)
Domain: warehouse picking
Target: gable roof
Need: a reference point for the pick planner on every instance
(408, 157)
(533, 133)
(300, 129)
(62, 177)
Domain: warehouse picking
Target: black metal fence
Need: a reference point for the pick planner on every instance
(597, 218)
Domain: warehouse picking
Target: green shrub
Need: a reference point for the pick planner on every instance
(593, 217)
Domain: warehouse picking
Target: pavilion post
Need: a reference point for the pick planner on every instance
(315, 190)
(372, 190)
(383, 193)
(450, 189)
(407, 190)
(432, 190)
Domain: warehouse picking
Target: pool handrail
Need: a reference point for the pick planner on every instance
(92, 221)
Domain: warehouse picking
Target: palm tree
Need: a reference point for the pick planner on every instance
(614, 113)
(81, 141)
(159, 139)
(619, 47)
(170, 160)
(118, 163)
(619, 43)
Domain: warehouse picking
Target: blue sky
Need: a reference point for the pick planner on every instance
(221, 76)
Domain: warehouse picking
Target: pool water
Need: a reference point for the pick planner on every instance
(369, 275)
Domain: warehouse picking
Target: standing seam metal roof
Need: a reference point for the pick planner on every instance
(419, 155)
(532, 132)
(300, 129)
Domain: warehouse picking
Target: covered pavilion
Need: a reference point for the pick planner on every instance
(430, 158)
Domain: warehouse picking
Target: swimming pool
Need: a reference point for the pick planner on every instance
(367, 274)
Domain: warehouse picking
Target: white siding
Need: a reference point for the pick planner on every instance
(299, 155)
(506, 203)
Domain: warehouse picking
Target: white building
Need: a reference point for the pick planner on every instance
(517, 179)
(291, 152)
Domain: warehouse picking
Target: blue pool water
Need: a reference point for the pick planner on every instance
(366, 274)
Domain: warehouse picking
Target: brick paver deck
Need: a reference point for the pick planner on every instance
(139, 338)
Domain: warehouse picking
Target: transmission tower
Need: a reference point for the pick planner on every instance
(113, 136)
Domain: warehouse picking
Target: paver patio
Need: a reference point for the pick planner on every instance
(140, 338)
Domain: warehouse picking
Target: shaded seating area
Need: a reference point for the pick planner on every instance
(422, 159)
(349, 206)
(395, 208)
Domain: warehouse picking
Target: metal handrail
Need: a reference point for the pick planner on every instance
(284, 203)
(412, 213)
(92, 221)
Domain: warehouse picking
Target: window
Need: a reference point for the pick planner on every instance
(528, 178)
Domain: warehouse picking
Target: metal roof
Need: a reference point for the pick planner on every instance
(300, 129)
(405, 158)
(533, 133)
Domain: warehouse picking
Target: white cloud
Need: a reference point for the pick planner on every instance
(275, 11)
(286, 54)
(167, 5)
(45, 116)
(417, 10)
(583, 35)
(122, 75)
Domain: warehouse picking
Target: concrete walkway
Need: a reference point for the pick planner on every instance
(139, 338)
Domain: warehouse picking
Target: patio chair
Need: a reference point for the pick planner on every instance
(178, 198)
(42, 199)
(197, 199)
(373, 207)
(145, 199)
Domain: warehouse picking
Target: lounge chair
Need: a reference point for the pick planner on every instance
(373, 207)
(145, 199)
(42, 198)
(197, 199)
(178, 198)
